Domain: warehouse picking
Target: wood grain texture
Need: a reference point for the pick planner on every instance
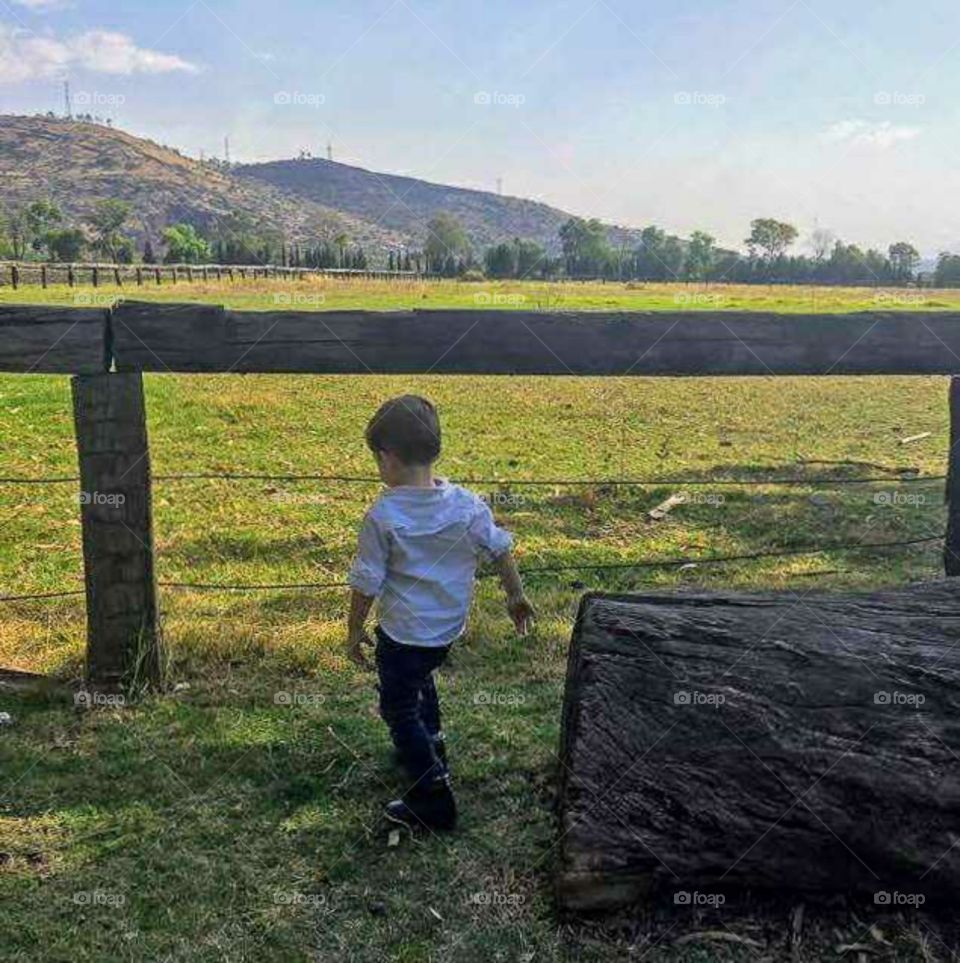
(951, 544)
(169, 337)
(808, 744)
(123, 644)
(52, 340)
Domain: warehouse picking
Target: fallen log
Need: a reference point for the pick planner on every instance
(805, 743)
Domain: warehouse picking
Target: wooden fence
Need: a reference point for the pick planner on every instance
(17, 274)
(107, 352)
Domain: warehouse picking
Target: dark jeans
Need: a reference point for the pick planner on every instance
(409, 704)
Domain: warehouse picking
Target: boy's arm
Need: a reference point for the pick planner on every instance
(367, 575)
(518, 605)
(357, 637)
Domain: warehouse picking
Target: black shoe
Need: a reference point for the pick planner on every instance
(439, 747)
(431, 808)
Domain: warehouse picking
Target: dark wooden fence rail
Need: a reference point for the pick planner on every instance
(109, 349)
(18, 274)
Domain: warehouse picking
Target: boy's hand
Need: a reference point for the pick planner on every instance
(355, 653)
(522, 613)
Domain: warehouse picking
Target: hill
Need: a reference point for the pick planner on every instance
(77, 164)
(406, 204)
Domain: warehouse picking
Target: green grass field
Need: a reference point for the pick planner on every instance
(325, 293)
(235, 817)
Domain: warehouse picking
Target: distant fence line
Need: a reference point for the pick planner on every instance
(17, 274)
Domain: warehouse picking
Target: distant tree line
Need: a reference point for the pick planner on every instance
(40, 231)
(586, 251)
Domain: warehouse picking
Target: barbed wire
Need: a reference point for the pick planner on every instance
(900, 476)
(638, 564)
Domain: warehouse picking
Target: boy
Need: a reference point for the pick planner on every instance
(417, 556)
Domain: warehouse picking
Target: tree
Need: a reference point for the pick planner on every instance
(342, 240)
(904, 259)
(106, 223)
(500, 261)
(446, 241)
(66, 244)
(40, 218)
(586, 247)
(18, 233)
(822, 241)
(700, 254)
(947, 274)
(530, 258)
(148, 256)
(771, 237)
(185, 245)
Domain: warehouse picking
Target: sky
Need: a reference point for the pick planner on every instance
(689, 114)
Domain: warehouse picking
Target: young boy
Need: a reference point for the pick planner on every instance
(417, 557)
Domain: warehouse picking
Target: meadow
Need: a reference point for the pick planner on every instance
(235, 816)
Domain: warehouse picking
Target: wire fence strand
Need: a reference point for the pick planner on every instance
(900, 476)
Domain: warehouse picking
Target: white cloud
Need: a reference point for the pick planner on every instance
(41, 4)
(30, 56)
(882, 134)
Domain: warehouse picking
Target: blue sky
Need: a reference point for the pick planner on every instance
(688, 114)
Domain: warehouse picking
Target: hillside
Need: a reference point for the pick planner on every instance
(76, 164)
(406, 204)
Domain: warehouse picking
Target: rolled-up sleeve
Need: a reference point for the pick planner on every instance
(490, 540)
(369, 569)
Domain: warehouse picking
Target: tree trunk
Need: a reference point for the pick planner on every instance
(803, 742)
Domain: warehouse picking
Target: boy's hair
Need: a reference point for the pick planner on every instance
(407, 427)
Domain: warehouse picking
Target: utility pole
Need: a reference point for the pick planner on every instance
(499, 185)
(226, 150)
(329, 151)
(67, 102)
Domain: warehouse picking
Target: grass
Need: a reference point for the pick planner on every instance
(326, 293)
(235, 816)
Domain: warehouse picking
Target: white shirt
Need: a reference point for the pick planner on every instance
(418, 552)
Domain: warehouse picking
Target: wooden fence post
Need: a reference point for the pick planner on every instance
(951, 544)
(123, 639)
